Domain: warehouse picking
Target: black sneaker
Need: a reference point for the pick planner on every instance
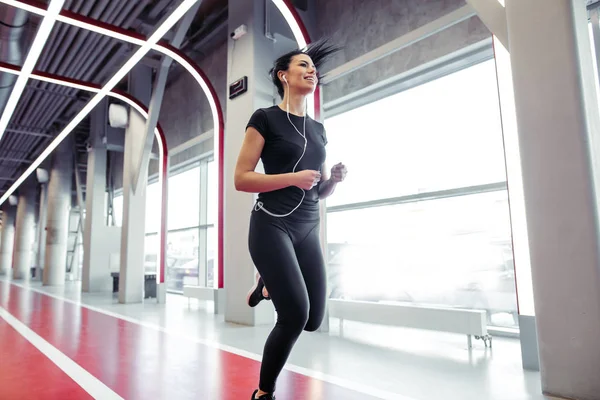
(263, 397)
(255, 295)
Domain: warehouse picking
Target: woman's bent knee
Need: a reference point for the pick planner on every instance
(295, 319)
(313, 324)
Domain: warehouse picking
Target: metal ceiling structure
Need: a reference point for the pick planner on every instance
(52, 47)
(45, 109)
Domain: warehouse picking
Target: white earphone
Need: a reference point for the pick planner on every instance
(259, 204)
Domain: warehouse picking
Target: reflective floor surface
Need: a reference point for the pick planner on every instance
(59, 344)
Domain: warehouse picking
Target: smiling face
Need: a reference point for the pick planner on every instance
(301, 75)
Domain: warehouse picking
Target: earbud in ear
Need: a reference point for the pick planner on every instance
(284, 79)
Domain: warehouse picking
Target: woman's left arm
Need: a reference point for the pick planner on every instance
(329, 182)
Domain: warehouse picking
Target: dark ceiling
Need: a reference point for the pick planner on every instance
(44, 109)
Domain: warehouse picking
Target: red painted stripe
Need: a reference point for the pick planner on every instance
(25, 373)
(141, 363)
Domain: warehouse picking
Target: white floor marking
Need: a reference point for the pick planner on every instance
(83, 378)
(354, 386)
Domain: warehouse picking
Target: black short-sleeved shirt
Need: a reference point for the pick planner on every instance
(283, 147)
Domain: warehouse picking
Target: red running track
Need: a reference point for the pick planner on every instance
(25, 373)
(138, 362)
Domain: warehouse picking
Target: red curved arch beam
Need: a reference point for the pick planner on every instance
(163, 47)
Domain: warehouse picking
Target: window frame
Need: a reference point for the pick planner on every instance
(455, 62)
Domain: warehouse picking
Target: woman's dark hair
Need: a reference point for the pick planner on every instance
(319, 52)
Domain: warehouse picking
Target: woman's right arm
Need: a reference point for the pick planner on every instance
(245, 178)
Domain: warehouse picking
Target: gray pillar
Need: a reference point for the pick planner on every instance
(133, 231)
(7, 239)
(257, 54)
(97, 246)
(59, 205)
(41, 232)
(24, 231)
(75, 245)
(131, 277)
(558, 123)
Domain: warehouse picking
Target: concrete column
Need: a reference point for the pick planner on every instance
(131, 276)
(24, 231)
(74, 245)
(41, 232)
(558, 123)
(59, 205)
(251, 56)
(7, 239)
(97, 236)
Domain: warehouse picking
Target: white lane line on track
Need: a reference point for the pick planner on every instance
(342, 382)
(83, 378)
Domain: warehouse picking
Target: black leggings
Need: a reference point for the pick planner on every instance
(289, 259)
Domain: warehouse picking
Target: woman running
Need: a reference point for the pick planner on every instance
(284, 226)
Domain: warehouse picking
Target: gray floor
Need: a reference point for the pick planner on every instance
(416, 365)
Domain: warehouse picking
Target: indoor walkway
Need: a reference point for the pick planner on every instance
(92, 344)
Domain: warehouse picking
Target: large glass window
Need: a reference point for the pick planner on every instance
(191, 241)
(182, 259)
(151, 244)
(213, 188)
(441, 135)
(594, 58)
(450, 252)
(211, 251)
(184, 199)
(118, 210)
(183, 241)
(211, 222)
(153, 207)
(422, 247)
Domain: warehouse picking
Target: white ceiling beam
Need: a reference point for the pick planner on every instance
(493, 14)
